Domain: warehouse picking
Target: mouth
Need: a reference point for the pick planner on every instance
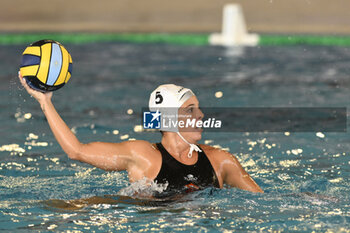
(199, 129)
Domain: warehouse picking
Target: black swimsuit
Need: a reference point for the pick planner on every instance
(185, 178)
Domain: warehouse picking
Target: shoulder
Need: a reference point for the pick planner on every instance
(218, 154)
(140, 147)
(222, 161)
(139, 144)
(143, 152)
(145, 159)
(215, 150)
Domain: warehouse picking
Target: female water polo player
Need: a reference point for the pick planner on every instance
(177, 161)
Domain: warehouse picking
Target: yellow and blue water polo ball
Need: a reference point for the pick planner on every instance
(46, 65)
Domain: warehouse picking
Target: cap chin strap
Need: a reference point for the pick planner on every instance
(193, 147)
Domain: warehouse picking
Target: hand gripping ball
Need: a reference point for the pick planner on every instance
(46, 65)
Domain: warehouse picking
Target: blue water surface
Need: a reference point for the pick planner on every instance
(305, 176)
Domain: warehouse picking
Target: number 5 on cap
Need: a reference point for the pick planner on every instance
(159, 98)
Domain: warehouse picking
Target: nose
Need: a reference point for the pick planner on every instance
(200, 114)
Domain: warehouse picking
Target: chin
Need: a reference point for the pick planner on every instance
(198, 136)
(193, 137)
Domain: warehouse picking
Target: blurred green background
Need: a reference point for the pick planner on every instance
(283, 21)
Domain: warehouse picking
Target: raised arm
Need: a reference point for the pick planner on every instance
(107, 156)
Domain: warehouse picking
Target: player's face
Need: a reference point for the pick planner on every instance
(190, 112)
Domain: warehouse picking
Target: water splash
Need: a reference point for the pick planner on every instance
(144, 188)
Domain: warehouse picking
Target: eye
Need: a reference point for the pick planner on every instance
(190, 110)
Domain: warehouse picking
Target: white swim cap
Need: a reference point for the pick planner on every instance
(168, 96)
(167, 99)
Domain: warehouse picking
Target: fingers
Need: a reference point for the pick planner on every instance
(36, 94)
(20, 76)
(21, 79)
(39, 96)
(24, 83)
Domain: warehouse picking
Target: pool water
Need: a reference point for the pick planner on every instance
(305, 176)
